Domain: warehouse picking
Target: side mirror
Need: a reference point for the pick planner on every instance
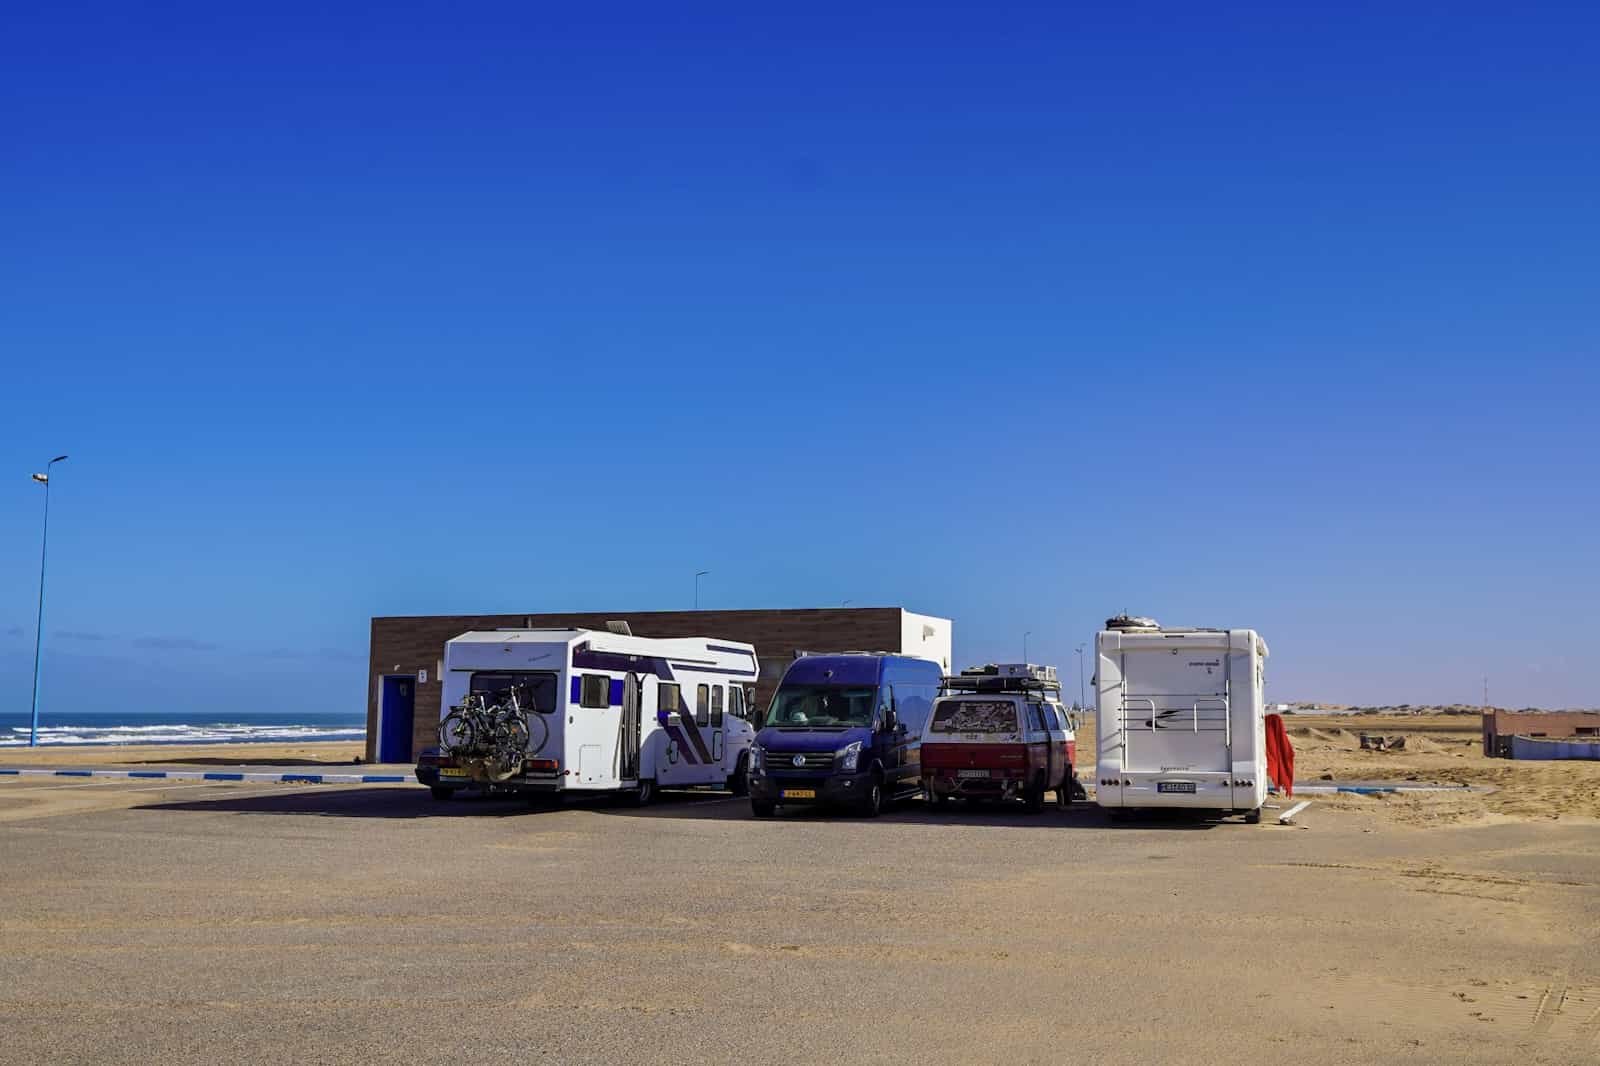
(890, 723)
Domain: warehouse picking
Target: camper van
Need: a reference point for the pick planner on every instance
(1181, 718)
(844, 731)
(581, 711)
(1000, 732)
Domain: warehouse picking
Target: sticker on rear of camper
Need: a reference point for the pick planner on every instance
(1174, 786)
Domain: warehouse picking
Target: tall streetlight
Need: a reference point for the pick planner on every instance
(1025, 637)
(698, 574)
(38, 638)
(1083, 693)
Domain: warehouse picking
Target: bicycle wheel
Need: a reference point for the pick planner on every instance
(458, 731)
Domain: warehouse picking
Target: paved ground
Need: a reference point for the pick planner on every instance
(181, 923)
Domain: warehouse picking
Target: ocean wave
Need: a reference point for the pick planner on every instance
(180, 733)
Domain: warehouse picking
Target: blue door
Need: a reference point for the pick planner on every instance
(396, 705)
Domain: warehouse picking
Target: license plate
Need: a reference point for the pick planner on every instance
(799, 793)
(1174, 786)
(972, 773)
(451, 771)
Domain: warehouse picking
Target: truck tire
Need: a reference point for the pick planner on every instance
(870, 805)
(739, 780)
(1252, 817)
(1033, 799)
(441, 793)
(762, 808)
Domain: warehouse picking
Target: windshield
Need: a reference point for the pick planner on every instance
(821, 707)
(974, 716)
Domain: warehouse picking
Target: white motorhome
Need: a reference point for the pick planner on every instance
(1181, 718)
(606, 711)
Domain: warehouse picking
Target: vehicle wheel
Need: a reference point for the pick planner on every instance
(1253, 817)
(644, 793)
(1033, 800)
(441, 793)
(937, 799)
(739, 783)
(871, 802)
(761, 809)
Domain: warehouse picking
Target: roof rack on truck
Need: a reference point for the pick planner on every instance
(1003, 677)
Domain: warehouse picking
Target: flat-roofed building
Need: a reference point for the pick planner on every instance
(404, 691)
(1500, 726)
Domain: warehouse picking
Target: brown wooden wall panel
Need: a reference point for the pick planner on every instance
(410, 644)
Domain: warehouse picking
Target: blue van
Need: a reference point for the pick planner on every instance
(843, 730)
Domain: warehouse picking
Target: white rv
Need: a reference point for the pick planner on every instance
(1180, 718)
(605, 711)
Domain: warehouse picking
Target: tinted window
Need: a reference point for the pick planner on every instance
(702, 705)
(1051, 722)
(534, 691)
(1034, 722)
(596, 691)
(974, 716)
(668, 698)
(736, 701)
(716, 706)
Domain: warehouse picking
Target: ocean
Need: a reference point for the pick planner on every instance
(158, 727)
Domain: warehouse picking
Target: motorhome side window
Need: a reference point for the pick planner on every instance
(668, 699)
(534, 691)
(736, 701)
(702, 705)
(716, 706)
(596, 691)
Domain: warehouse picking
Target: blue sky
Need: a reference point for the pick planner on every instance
(1249, 315)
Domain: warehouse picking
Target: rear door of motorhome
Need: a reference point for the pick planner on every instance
(1174, 707)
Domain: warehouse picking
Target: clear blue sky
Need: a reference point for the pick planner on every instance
(1250, 315)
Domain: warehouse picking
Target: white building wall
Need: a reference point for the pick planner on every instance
(926, 637)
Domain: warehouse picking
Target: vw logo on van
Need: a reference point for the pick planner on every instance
(799, 760)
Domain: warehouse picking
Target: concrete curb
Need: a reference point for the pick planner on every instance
(222, 775)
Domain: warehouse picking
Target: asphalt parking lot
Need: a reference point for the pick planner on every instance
(183, 922)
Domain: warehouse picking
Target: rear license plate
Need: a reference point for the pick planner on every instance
(1174, 786)
(972, 773)
(451, 771)
(799, 793)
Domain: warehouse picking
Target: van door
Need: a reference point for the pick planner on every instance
(893, 742)
(632, 725)
(1057, 745)
(718, 755)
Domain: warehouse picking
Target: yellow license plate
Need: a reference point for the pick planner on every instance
(451, 771)
(799, 793)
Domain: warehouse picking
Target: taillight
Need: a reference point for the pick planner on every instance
(541, 764)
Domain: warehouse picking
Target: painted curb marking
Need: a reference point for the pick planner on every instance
(215, 775)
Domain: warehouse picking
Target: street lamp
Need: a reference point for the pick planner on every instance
(1083, 693)
(698, 574)
(38, 638)
(1025, 637)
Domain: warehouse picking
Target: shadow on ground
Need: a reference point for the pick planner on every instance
(351, 802)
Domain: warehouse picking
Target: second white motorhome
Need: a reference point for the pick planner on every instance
(604, 712)
(1181, 718)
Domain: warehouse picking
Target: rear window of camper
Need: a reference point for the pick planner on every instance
(668, 699)
(974, 716)
(534, 691)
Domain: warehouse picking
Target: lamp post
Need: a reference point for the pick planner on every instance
(698, 574)
(1083, 693)
(38, 637)
(1025, 637)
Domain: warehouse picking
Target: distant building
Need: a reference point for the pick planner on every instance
(1500, 726)
(407, 652)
